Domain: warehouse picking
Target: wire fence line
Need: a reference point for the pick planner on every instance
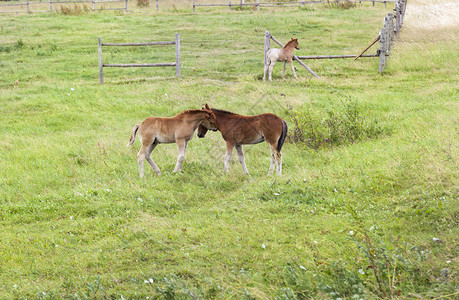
(258, 3)
(30, 6)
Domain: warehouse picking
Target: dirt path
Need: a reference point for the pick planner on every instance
(432, 14)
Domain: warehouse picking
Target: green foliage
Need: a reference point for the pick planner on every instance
(143, 3)
(339, 124)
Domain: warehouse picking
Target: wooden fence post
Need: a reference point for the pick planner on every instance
(258, 4)
(267, 44)
(194, 4)
(382, 50)
(93, 5)
(177, 54)
(157, 6)
(126, 5)
(28, 6)
(101, 65)
(229, 4)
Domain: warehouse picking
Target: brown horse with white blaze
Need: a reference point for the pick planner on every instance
(285, 54)
(178, 129)
(238, 130)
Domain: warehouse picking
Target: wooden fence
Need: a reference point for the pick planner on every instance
(176, 64)
(392, 25)
(390, 32)
(258, 4)
(50, 5)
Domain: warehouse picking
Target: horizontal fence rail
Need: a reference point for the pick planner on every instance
(27, 6)
(176, 64)
(259, 4)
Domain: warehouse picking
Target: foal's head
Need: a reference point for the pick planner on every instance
(293, 43)
(209, 123)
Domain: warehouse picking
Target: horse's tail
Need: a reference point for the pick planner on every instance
(281, 140)
(134, 132)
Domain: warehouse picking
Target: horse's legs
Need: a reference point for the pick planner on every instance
(229, 151)
(181, 146)
(141, 157)
(266, 68)
(283, 70)
(150, 161)
(240, 154)
(279, 163)
(276, 159)
(293, 69)
(145, 153)
(271, 66)
(273, 158)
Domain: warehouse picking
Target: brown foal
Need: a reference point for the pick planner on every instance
(238, 130)
(178, 129)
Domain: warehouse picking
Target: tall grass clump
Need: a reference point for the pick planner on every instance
(75, 11)
(339, 124)
(143, 3)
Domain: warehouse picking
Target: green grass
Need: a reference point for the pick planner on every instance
(77, 222)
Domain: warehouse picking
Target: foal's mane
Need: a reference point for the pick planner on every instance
(192, 111)
(289, 42)
(223, 111)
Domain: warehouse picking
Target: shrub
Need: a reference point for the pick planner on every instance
(143, 3)
(341, 124)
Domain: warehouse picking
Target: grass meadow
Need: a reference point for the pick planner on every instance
(366, 208)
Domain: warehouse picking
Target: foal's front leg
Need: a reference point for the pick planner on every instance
(229, 151)
(283, 70)
(240, 154)
(293, 69)
(181, 146)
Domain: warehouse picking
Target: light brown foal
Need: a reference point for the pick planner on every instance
(238, 130)
(285, 54)
(178, 129)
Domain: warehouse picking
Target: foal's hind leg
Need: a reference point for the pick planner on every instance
(265, 71)
(150, 161)
(270, 70)
(276, 160)
(273, 158)
(240, 154)
(145, 153)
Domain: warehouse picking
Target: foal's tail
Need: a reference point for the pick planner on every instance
(134, 132)
(281, 140)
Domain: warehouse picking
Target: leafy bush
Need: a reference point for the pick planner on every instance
(341, 124)
(143, 3)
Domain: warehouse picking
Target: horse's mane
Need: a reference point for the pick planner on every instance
(191, 111)
(223, 111)
(289, 42)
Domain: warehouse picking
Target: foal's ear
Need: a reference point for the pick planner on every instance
(207, 107)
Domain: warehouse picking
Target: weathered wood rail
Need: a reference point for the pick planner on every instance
(259, 4)
(176, 64)
(29, 6)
